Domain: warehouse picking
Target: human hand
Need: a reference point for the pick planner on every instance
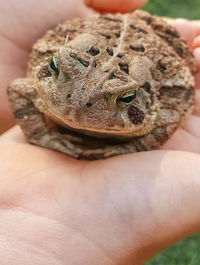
(57, 210)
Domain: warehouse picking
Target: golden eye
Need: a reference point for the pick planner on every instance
(54, 66)
(127, 97)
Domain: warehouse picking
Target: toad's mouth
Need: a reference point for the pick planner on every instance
(114, 132)
(98, 130)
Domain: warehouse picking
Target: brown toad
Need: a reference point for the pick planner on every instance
(116, 84)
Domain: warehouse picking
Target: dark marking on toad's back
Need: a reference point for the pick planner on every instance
(124, 67)
(137, 48)
(161, 66)
(105, 35)
(147, 87)
(173, 92)
(109, 51)
(147, 19)
(93, 51)
(80, 60)
(113, 76)
(117, 34)
(112, 19)
(172, 32)
(189, 93)
(138, 29)
(120, 55)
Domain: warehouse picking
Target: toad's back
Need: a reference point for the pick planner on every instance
(122, 36)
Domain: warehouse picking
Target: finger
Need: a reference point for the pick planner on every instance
(196, 42)
(192, 127)
(183, 140)
(197, 56)
(23, 22)
(197, 80)
(197, 104)
(12, 65)
(196, 25)
(197, 60)
(115, 5)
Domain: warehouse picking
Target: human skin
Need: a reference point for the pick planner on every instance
(56, 210)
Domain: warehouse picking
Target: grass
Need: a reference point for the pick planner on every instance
(189, 9)
(186, 252)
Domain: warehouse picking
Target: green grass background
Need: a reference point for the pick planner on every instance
(186, 252)
(174, 8)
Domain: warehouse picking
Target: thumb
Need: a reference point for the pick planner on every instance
(115, 5)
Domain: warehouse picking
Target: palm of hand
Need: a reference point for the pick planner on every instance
(101, 210)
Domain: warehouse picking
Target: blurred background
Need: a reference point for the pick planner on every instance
(189, 9)
(186, 252)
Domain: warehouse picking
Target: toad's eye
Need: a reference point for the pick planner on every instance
(54, 66)
(127, 97)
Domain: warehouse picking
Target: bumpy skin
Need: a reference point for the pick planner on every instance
(79, 112)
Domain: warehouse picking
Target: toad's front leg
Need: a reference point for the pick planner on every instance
(34, 124)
